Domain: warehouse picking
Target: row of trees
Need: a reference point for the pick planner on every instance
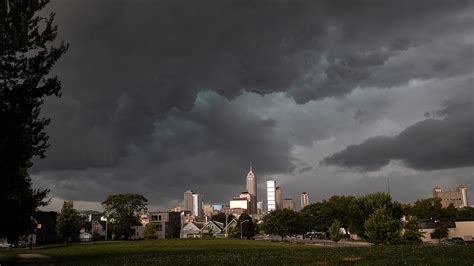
(122, 213)
(374, 217)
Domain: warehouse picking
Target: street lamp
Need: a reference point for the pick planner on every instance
(241, 236)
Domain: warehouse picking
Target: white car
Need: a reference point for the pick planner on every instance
(4, 245)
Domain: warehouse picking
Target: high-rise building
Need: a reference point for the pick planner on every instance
(457, 197)
(271, 203)
(279, 198)
(304, 200)
(252, 190)
(289, 204)
(197, 204)
(208, 209)
(188, 201)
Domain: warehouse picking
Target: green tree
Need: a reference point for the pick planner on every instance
(449, 212)
(335, 231)
(69, 221)
(319, 216)
(149, 231)
(411, 231)
(440, 233)
(27, 54)
(365, 206)
(122, 212)
(248, 227)
(430, 208)
(382, 227)
(282, 222)
(233, 232)
(221, 217)
(316, 217)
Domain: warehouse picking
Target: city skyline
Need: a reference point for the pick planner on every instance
(323, 97)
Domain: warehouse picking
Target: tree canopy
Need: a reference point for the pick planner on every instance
(283, 223)
(68, 223)
(122, 212)
(248, 227)
(28, 51)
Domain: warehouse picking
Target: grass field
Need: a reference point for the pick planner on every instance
(242, 252)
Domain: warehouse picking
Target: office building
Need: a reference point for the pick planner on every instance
(304, 200)
(197, 204)
(188, 201)
(457, 197)
(279, 198)
(271, 203)
(167, 224)
(289, 204)
(252, 190)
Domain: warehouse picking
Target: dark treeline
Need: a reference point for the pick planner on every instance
(374, 217)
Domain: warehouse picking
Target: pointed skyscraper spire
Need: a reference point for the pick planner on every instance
(252, 189)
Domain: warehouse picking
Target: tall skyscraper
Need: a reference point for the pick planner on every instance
(188, 201)
(197, 204)
(289, 204)
(279, 198)
(252, 190)
(271, 204)
(304, 200)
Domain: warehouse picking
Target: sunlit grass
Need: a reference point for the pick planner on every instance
(241, 252)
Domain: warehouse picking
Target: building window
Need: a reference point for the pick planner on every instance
(154, 218)
(159, 217)
(159, 227)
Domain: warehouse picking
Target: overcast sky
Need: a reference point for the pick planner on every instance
(326, 97)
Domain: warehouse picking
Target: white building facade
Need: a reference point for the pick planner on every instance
(271, 202)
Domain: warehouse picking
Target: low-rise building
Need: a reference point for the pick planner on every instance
(167, 224)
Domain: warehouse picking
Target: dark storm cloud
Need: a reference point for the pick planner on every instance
(135, 69)
(130, 61)
(431, 144)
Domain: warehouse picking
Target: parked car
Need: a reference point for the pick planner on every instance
(458, 241)
(6, 245)
(448, 242)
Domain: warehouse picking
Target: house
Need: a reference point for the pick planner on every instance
(99, 230)
(192, 230)
(213, 228)
(462, 229)
(167, 224)
(45, 232)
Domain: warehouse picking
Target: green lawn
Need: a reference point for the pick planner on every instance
(241, 252)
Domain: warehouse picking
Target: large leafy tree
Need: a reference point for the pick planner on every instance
(69, 221)
(382, 228)
(412, 233)
(149, 232)
(430, 208)
(366, 205)
(319, 216)
(248, 227)
(27, 54)
(122, 212)
(283, 223)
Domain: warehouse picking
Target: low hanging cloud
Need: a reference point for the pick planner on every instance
(432, 144)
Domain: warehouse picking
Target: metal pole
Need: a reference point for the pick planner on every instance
(106, 234)
(226, 216)
(241, 230)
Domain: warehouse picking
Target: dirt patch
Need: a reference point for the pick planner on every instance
(352, 258)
